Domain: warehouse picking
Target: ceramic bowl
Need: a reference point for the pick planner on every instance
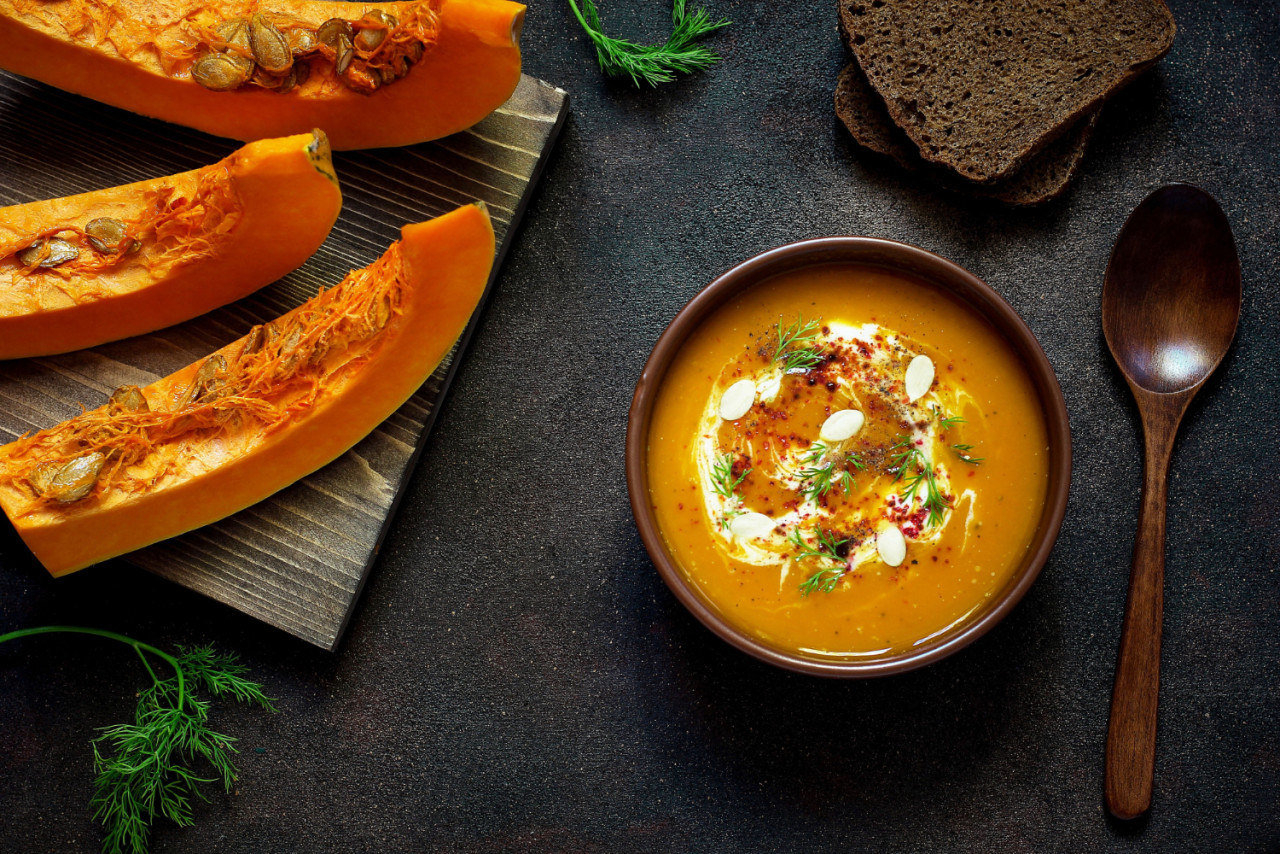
(913, 261)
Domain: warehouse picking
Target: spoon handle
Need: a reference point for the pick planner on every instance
(1131, 736)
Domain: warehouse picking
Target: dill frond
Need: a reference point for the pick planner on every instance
(652, 64)
(149, 767)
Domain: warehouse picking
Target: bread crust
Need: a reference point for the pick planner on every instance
(1045, 176)
(980, 86)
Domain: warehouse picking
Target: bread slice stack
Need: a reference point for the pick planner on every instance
(996, 98)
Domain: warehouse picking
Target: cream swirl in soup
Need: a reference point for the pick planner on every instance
(826, 450)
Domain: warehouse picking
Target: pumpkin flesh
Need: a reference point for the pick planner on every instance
(277, 404)
(139, 56)
(204, 238)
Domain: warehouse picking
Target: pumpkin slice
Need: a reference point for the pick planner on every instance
(78, 271)
(257, 415)
(410, 71)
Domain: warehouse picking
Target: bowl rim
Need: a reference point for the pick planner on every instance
(898, 257)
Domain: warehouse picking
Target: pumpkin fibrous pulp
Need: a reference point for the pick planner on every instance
(257, 415)
(372, 75)
(82, 270)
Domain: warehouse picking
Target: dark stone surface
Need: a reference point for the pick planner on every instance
(518, 678)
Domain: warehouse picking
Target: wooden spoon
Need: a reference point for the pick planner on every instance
(1170, 305)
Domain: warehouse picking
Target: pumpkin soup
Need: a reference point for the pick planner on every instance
(847, 462)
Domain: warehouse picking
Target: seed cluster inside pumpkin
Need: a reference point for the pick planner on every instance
(273, 374)
(177, 226)
(279, 54)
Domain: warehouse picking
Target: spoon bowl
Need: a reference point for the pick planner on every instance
(1170, 306)
(1171, 297)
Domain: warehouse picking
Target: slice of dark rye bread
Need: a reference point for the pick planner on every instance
(1043, 177)
(981, 85)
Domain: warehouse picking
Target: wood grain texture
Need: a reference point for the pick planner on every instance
(1170, 306)
(299, 559)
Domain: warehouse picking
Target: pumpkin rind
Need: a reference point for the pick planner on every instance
(471, 70)
(283, 200)
(444, 266)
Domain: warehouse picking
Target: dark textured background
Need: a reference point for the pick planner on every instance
(518, 678)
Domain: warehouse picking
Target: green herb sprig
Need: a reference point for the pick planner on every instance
(827, 548)
(653, 64)
(947, 421)
(818, 477)
(962, 451)
(724, 484)
(147, 767)
(789, 355)
(910, 466)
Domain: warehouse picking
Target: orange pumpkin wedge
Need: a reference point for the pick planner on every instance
(429, 68)
(82, 270)
(257, 415)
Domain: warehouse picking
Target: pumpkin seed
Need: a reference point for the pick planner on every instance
(751, 526)
(344, 53)
(400, 65)
(891, 546)
(737, 400)
(362, 79)
(42, 475)
(108, 235)
(296, 77)
(301, 41)
(235, 32)
(58, 252)
(75, 479)
(328, 32)
(386, 75)
(415, 51)
(129, 398)
(369, 38)
(919, 377)
(221, 72)
(205, 386)
(267, 80)
(841, 425)
(254, 341)
(270, 48)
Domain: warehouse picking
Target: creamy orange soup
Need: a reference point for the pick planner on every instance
(847, 462)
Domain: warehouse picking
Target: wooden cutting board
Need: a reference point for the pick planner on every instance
(299, 559)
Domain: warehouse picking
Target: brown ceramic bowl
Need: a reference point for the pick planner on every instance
(898, 257)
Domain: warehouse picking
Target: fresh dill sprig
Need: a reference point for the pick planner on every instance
(792, 357)
(946, 421)
(722, 479)
(962, 451)
(148, 767)
(653, 64)
(827, 548)
(910, 466)
(818, 475)
(724, 484)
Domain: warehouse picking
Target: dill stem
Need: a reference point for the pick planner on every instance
(138, 646)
